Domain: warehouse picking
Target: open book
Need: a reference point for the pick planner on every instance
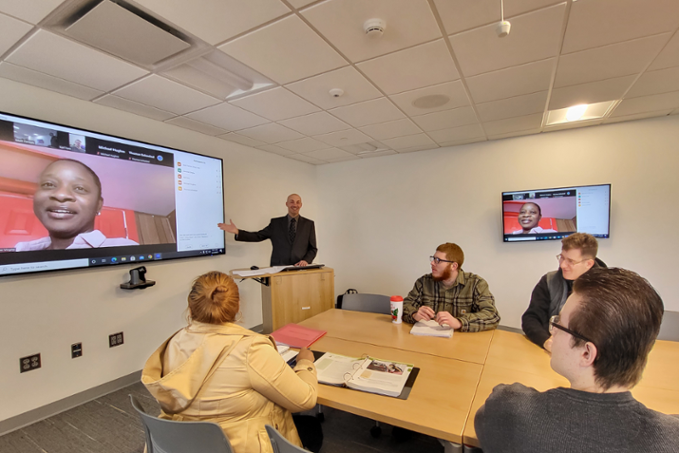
(431, 329)
(366, 373)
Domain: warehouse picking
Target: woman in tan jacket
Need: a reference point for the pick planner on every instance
(215, 370)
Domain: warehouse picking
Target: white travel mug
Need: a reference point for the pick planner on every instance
(396, 308)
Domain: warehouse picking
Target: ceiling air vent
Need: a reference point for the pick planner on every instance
(116, 30)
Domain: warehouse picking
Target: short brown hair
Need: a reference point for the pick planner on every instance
(621, 314)
(453, 253)
(214, 298)
(587, 244)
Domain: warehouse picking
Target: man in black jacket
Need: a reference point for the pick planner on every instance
(293, 237)
(578, 255)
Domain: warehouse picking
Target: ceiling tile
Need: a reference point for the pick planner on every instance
(616, 60)
(601, 22)
(463, 142)
(525, 79)
(637, 116)
(32, 11)
(344, 138)
(408, 23)
(330, 154)
(307, 159)
(215, 21)
(446, 119)
(590, 93)
(669, 56)
(370, 112)
(520, 123)
(655, 82)
(315, 124)
(12, 31)
(343, 159)
(165, 94)
(271, 133)
(410, 141)
(51, 54)
(391, 129)
(316, 89)
(241, 139)
(445, 137)
(417, 67)
(276, 150)
(452, 90)
(386, 152)
(38, 79)
(535, 36)
(134, 107)
(197, 126)
(300, 3)
(665, 101)
(412, 149)
(276, 104)
(303, 145)
(228, 117)
(515, 134)
(285, 51)
(460, 15)
(516, 106)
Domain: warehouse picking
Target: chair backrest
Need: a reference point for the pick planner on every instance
(280, 444)
(371, 303)
(669, 329)
(169, 436)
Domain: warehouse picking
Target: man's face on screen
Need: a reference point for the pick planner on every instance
(529, 216)
(67, 199)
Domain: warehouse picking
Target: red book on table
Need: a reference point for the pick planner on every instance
(297, 336)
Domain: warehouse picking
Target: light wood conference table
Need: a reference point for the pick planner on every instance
(513, 358)
(377, 329)
(438, 404)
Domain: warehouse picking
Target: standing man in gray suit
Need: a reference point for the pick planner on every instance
(293, 237)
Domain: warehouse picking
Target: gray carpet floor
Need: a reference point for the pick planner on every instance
(110, 425)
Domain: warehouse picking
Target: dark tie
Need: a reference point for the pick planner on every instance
(293, 230)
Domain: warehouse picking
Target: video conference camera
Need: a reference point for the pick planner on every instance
(137, 279)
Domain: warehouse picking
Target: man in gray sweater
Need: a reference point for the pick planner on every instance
(600, 343)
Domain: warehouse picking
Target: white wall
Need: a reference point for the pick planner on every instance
(46, 313)
(387, 215)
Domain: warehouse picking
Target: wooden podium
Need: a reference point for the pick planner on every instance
(294, 296)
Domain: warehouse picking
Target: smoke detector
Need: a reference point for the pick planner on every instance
(336, 92)
(374, 27)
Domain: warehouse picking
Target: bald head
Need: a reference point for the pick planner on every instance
(294, 204)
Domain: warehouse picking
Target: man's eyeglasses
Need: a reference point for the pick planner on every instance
(437, 260)
(569, 261)
(554, 322)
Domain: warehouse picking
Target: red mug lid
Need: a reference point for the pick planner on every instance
(396, 299)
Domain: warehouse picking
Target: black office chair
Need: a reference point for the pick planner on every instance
(369, 303)
(169, 436)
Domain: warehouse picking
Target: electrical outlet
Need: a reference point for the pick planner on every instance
(28, 363)
(115, 339)
(76, 350)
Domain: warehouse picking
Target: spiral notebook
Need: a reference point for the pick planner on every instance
(367, 374)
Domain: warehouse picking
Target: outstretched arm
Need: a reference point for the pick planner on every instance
(228, 227)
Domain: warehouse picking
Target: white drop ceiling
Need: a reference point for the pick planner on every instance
(288, 54)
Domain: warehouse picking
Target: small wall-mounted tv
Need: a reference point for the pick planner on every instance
(71, 198)
(533, 215)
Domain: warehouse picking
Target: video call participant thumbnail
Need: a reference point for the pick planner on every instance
(529, 217)
(67, 201)
(578, 255)
(601, 342)
(451, 296)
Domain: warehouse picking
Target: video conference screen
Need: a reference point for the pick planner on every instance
(71, 198)
(533, 215)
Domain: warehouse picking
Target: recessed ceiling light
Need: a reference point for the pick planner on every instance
(581, 112)
(431, 101)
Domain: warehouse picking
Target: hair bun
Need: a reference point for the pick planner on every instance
(219, 289)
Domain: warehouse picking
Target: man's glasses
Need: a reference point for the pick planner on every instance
(554, 322)
(569, 261)
(437, 260)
